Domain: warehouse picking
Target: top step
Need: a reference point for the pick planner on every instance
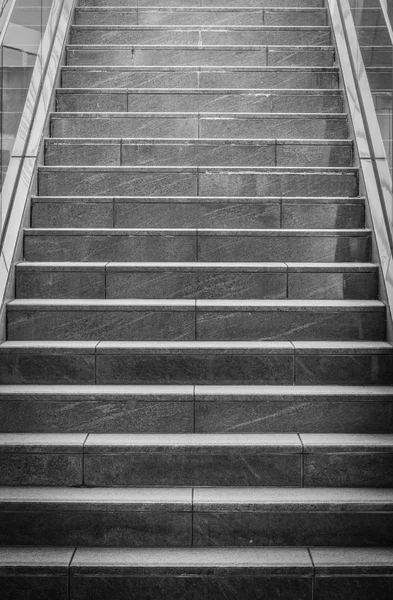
(152, 15)
(209, 3)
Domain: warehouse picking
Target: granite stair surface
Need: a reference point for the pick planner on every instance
(196, 389)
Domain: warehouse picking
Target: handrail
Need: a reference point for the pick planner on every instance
(387, 20)
(371, 151)
(20, 178)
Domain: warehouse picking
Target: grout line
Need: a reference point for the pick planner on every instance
(192, 517)
(195, 320)
(313, 591)
(69, 574)
(194, 407)
(83, 459)
(301, 462)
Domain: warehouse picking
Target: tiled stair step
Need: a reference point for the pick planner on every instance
(221, 516)
(368, 17)
(376, 56)
(196, 152)
(188, 573)
(380, 78)
(199, 100)
(199, 125)
(300, 35)
(373, 36)
(269, 320)
(199, 459)
(200, 212)
(199, 181)
(201, 77)
(203, 409)
(203, 245)
(213, 363)
(333, 281)
(199, 16)
(209, 3)
(247, 55)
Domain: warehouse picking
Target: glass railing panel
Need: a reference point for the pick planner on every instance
(20, 46)
(376, 49)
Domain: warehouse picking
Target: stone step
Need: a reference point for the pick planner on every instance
(204, 245)
(203, 409)
(199, 16)
(209, 3)
(200, 212)
(220, 516)
(201, 77)
(197, 152)
(187, 55)
(202, 320)
(373, 36)
(198, 100)
(199, 181)
(182, 574)
(300, 35)
(183, 459)
(332, 281)
(200, 125)
(203, 363)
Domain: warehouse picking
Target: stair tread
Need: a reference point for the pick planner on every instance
(249, 347)
(193, 266)
(206, 391)
(181, 304)
(187, 231)
(133, 442)
(215, 498)
(258, 558)
(201, 91)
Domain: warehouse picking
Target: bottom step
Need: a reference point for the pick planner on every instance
(196, 573)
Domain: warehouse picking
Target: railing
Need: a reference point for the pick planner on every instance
(364, 43)
(32, 37)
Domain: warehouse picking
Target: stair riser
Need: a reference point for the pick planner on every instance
(234, 36)
(155, 469)
(192, 587)
(129, 528)
(178, 78)
(211, 3)
(90, 212)
(117, 283)
(189, 154)
(203, 127)
(36, 586)
(126, 415)
(362, 529)
(306, 415)
(158, 528)
(244, 467)
(264, 101)
(152, 248)
(218, 369)
(188, 325)
(200, 17)
(192, 183)
(202, 56)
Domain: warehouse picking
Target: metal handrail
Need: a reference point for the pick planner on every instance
(20, 179)
(371, 150)
(387, 20)
(22, 140)
(366, 105)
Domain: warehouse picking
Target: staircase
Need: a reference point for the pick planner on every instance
(196, 391)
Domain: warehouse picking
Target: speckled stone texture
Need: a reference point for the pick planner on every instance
(196, 387)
